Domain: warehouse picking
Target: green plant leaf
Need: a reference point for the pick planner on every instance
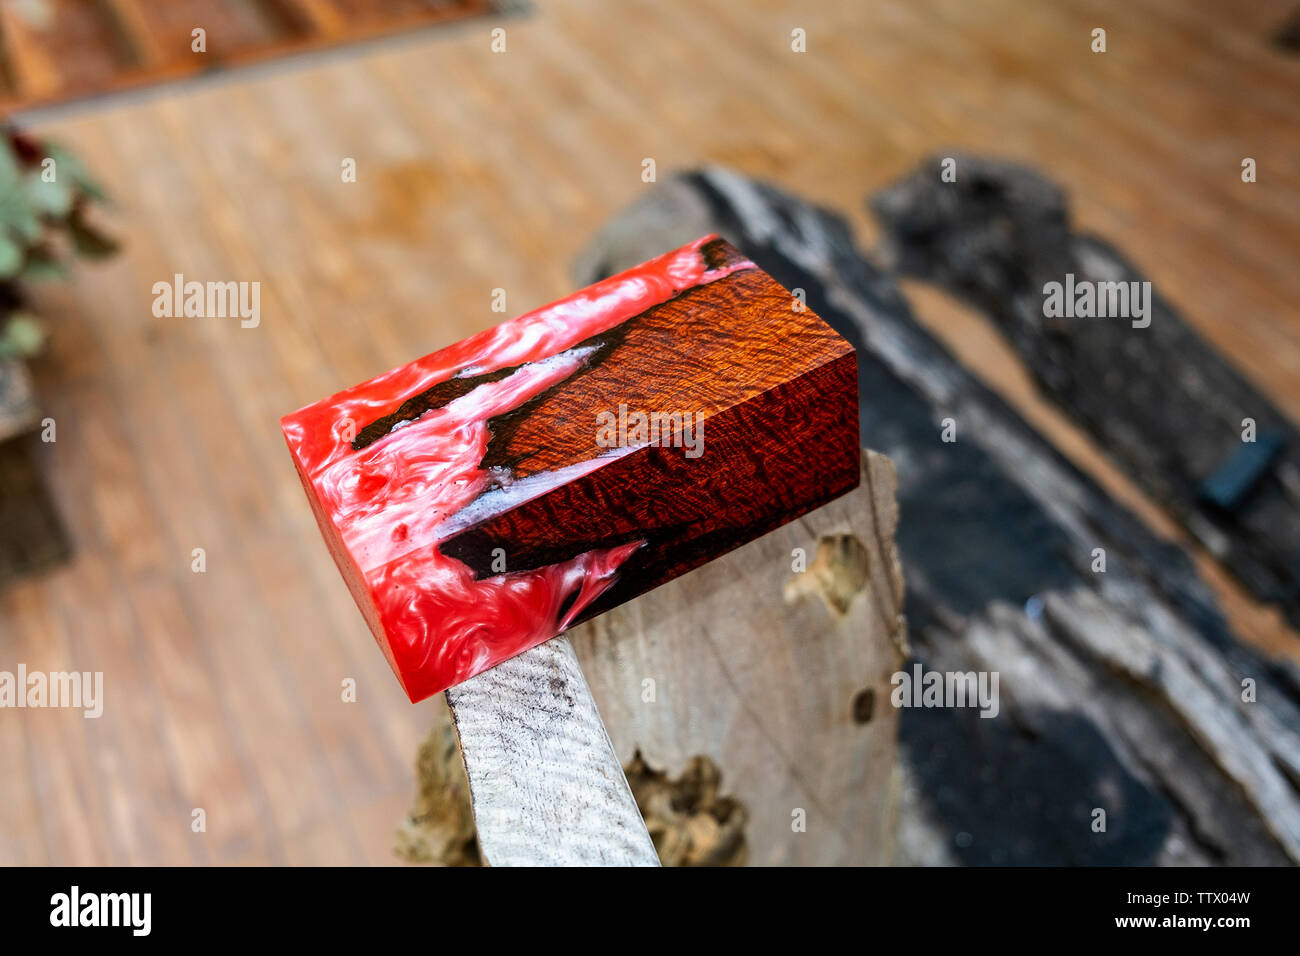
(67, 164)
(11, 256)
(49, 198)
(17, 213)
(10, 168)
(15, 204)
(23, 335)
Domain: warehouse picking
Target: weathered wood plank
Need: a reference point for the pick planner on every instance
(777, 678)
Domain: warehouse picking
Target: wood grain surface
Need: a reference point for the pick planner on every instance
(478, 171)
(702, 668)
(546, 786)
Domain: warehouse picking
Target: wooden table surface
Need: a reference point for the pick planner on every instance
(478, 171)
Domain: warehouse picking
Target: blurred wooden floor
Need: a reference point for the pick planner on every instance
(478, 171)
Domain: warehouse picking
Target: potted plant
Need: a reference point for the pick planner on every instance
(45, 200)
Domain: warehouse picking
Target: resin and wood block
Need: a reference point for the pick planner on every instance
(487, 497)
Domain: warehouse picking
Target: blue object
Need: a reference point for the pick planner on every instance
(1229, 484)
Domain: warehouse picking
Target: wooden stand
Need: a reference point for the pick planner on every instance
(754, 694)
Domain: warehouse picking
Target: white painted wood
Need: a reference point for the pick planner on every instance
(545, 783)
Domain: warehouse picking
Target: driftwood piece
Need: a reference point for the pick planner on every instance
(777, 678)
(1120, 690)
(745, 698)
(1162, 402)
(546, 787)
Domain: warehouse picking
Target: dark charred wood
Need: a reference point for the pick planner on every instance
(1161, 401)
(1119, 691)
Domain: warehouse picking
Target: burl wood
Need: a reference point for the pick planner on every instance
(477, 508)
